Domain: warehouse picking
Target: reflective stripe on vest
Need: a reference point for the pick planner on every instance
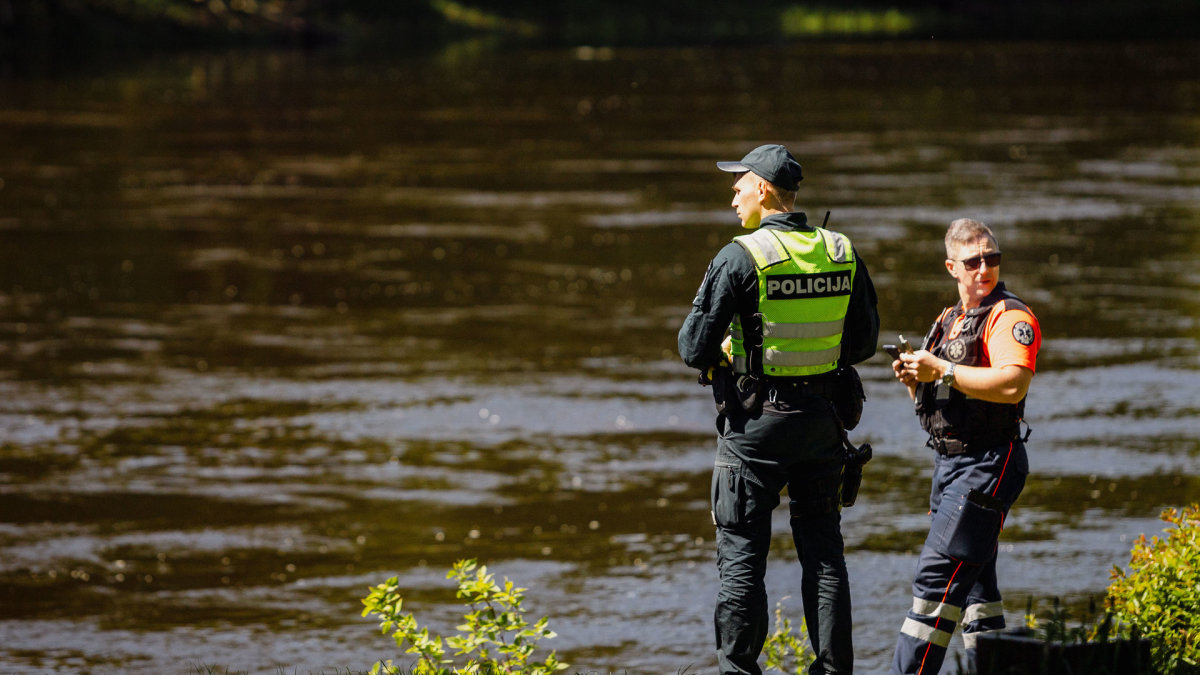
(778, 357)
(804, 284)
(792, 331)
(766, 250)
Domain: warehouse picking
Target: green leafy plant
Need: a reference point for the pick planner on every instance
(783, 645)
(1159, 596)
(496, 638)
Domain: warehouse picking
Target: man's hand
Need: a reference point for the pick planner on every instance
(727, 350)
(920, 366)
(907, 378)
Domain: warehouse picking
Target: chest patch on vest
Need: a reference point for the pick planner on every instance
(1023, 333)
(796, 286)
(956, 350)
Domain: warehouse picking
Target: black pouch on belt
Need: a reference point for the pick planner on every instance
(737, 395)
(750, 394)
(722, 388)
(848, 396)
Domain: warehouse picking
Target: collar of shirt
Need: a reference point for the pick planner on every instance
(794, 220)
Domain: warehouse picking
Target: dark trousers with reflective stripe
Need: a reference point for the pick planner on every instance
(955, 583)
(802, 450)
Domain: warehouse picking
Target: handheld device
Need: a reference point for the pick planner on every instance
(893, 351)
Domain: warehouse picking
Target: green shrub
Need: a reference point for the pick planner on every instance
(783, 645)
(1159, 597)
(495, 639)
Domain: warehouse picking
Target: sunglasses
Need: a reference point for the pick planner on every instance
(972, 264)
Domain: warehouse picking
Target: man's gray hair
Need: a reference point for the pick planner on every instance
(964, 231)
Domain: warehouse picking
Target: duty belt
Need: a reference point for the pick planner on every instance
(949, 446)
(785, 390)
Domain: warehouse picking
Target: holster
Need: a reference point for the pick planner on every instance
(853, 459)
(852, 471)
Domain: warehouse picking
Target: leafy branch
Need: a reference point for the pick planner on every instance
(495, 638)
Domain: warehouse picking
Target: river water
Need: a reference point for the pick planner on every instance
(275, 327)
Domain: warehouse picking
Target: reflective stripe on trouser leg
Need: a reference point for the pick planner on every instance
(978, 619)
(921, 647)
(981, 612)
(936, 610)
(926, 633)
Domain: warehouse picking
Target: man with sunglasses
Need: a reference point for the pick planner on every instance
(969, 382)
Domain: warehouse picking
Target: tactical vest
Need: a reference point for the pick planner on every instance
(804, 282)
(951, 414)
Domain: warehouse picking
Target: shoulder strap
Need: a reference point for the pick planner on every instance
(837, 246)
(1011, 301)
(764, 247)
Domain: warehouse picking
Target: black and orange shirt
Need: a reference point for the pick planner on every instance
(1011, 336)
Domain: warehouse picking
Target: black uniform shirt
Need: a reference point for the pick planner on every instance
(731, 287)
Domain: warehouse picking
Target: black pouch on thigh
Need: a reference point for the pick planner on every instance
(966, 527)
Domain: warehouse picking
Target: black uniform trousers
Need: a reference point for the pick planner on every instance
(798, 446)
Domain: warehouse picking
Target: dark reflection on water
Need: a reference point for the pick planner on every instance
(274, 327)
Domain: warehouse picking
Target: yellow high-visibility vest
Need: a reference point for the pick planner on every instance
(804, 282)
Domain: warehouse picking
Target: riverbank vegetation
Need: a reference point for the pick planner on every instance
(82, 25)
(1155, 599)
(1158, 595)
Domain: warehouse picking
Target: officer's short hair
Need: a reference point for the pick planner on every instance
(785, 197)
(964, 231)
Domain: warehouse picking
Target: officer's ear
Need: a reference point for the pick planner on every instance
(950, 266)
(764, 191)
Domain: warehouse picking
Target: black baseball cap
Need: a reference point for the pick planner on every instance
(772, 163)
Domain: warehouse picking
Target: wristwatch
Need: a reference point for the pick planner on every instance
(948, 378)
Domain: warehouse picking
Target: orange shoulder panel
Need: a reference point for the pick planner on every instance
(1012, 337)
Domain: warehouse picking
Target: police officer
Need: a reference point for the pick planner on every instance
(801, 309)
(969, 382)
